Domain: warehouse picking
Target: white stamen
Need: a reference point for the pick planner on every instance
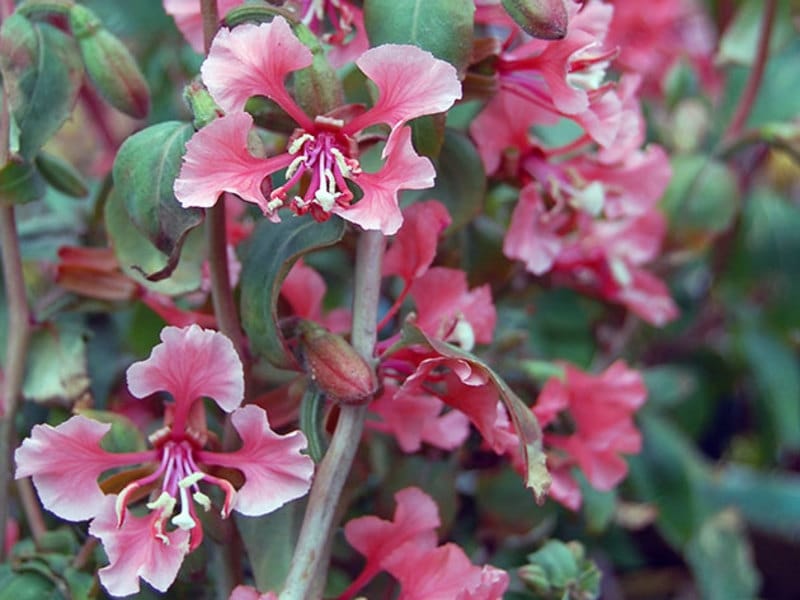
(190, 480)
(621, 273)
(463, 334)
(295, 146)
(294, 165)
(202, 500)
(164, 501)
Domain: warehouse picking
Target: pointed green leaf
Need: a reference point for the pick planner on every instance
(20, 182)
(443, 28)
(42, 73)
(525, 423)
(144, 173)
(145, 263)
(57, 371)
(270, 253)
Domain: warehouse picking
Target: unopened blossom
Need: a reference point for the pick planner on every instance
(323, 152)
(191, 363)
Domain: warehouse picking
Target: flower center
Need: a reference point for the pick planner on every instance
(179, 476)
(327, 165)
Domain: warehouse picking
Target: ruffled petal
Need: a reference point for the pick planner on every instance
(404, 169)
(135, 552)
(531, 236)
(275, 471)
(190, 363)
(444, 573)
(415, 521)
(217, 160)
(411, 82)
(67, 458)
(414, 248)
(254, 60)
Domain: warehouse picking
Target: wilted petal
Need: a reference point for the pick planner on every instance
(254, 60)
(134, 551)
(414, 247)
(275, 471)
(217, 160)
(404, 169)
(65, 463)
(411, 82)
(190, 363)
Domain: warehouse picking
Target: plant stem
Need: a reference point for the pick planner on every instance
(307, 571)
(753, 84)
(31, 508)
(18, 331)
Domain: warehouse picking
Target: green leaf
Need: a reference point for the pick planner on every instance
(42, 73)
(777, 375)
(460, 179)
(25, 585)
(144, 173)
(269, 541)
(768, 501)
(739, 43)
(670, 473)
(138, 258)
(722, 560)
(57, 371)
(267, 257)
(124, 435)
(444, 27)
(20, 182)
(702, 198)
(525, 423)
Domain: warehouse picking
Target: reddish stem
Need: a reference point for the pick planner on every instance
(753, 84)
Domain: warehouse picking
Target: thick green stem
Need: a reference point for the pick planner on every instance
(308, 568)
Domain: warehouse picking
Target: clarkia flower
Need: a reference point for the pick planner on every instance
(66, 462)
(323, 152)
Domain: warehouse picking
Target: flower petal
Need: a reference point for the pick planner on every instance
(275, 471)
(254, 60)
(217, 161)
(411, 83)
(189, 19)
(190, 363)
(134, 551)
(444, 573)
(414, 248)
(404, 169)
(67, 458)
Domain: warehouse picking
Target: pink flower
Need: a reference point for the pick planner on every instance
(449, 311)
(349, 36)
(444, 573)
(190, 363)
(189, 20)
(406, 548)
(601, 408)
(245, 592)
(324, 150)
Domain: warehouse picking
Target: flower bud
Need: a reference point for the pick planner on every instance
(61, 175)
(338, 370)
(200, 102)
(543, 19)
(110, 66)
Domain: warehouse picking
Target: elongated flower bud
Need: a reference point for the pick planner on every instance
(338, 370)
(110, 66)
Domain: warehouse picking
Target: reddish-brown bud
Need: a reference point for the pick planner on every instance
(337, 369)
